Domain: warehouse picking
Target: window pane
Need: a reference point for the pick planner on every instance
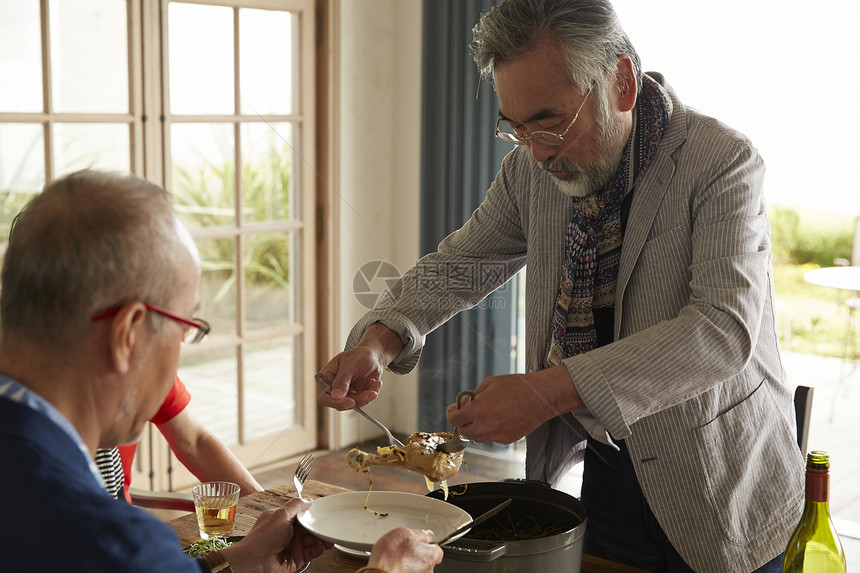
(270, 397)
(203, 173)
(218, 285)
(268, 282)
(89, 56)
(91, 145)
(267, 171)
(266, 81)
(211, 378)
(201, 59)
(22, 156)
(20, 56)
(22, 170)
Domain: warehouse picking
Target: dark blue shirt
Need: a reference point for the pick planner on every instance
(56, 514)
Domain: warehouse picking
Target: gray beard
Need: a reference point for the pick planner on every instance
(590, 177)
(586, 180)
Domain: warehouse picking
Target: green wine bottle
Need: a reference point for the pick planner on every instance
(814, 545)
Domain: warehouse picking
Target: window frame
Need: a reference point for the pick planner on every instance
(149, 123)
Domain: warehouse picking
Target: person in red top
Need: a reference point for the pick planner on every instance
(194, 446)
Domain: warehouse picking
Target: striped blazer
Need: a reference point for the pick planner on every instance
(694, 381)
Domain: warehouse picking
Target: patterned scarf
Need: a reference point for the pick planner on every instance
(593, 237)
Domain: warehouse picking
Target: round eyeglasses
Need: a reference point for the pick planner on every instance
(544, 137)
(196, 329)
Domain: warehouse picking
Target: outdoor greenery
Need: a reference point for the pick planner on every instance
(810, 316)
(206, 197)
(11, 202)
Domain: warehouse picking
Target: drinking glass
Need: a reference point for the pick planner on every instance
(215, 505)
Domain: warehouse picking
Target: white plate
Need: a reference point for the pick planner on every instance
(342, 519)
(353, 552)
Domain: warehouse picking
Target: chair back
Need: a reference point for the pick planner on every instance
(803, 414)
(161, 499)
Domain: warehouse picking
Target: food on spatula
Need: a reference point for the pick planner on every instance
(418, 455)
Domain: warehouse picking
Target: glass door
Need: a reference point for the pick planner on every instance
(237, 105)
(215, 101)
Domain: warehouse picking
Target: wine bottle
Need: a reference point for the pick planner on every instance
(814, 545)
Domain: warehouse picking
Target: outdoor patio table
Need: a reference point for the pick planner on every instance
(842, 278)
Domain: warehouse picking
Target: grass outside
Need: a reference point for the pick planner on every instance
(817, 321)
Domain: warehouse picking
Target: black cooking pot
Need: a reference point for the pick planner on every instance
(533, 503)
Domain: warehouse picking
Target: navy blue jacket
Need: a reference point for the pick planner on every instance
(57, 517)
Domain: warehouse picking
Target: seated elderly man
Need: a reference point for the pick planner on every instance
(98, 286)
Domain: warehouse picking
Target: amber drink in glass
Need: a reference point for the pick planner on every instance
(215, 505)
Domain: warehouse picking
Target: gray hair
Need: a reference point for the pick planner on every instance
(89, 241)
(588, 31)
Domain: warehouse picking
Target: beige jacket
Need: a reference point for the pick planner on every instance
(694, 381)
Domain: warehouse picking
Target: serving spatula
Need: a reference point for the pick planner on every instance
(324, 383)
(480, 519)
(456, 443)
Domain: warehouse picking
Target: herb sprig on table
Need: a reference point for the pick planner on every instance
(199, 548)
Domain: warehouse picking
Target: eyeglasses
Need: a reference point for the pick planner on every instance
(196, 330)
(544, 137)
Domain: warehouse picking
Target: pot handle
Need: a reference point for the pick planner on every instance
(526, 481)
(466, 553)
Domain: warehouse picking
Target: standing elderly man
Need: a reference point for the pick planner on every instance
(99, 283)
(651, 342)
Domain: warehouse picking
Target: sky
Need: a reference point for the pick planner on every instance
(782, 72)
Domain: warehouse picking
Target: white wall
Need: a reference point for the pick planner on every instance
(379, 174)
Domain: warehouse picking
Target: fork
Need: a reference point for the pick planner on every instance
(302, 472)
(324, 383)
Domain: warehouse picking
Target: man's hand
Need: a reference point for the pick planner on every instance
(404, 550)
(276, 543)
(506, 408)
(356, 374)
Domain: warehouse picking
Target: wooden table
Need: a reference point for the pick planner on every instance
(333, 561)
